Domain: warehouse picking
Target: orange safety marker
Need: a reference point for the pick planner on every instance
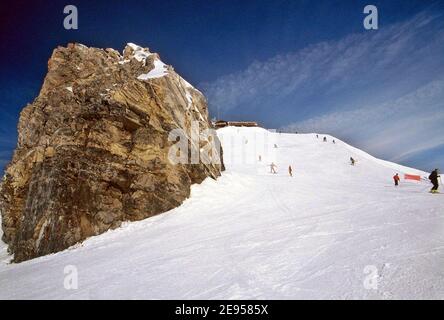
(412, 177)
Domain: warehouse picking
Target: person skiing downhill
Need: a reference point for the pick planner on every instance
(352, 161)
(290, 171)
(273, 168)
(433, 177)
(396, 178)
(325, 139)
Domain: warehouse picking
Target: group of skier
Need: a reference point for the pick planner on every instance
(325, 139)
(273, 168)
(433, 177)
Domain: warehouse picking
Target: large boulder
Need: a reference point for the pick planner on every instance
(94, 148)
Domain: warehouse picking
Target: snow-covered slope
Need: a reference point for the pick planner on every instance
(4, 257)
(326, 232)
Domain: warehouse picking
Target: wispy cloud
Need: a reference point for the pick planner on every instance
(398, 128)
(382, 89)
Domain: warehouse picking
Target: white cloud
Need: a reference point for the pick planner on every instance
(398, 129)
(383, 89)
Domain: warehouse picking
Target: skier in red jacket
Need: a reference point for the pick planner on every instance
(396, 178)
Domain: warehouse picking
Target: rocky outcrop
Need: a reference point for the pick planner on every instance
(93, 148)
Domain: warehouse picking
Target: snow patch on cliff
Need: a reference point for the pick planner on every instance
(139, 53)
(160, 70)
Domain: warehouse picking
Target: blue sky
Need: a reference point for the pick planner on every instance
(300, 65)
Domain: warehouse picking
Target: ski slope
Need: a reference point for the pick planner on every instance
(325, 233)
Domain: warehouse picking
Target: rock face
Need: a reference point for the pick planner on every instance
(93, 148)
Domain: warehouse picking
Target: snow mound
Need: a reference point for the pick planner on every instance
(332, 231)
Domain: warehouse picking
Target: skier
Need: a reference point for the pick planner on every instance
(290, 171)
(325, 139)
(334, 142)
(434, 179)
(260, 158)
(396, 179)
(352, 161)
(317, 136)
(273, 168)
(275, 145)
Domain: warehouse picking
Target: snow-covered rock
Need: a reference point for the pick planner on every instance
(159, 70)
(93, 148)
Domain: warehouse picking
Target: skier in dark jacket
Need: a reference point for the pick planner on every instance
(434, 179)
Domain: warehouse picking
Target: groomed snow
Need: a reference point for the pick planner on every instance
(256, 235)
